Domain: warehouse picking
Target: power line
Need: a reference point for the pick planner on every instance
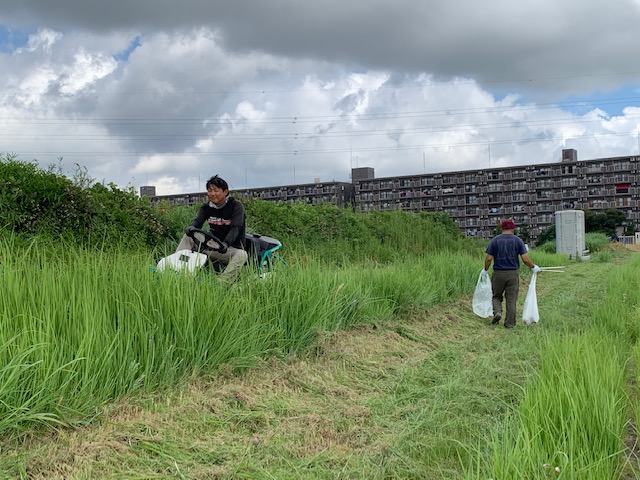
(299, 119)
(329, 151)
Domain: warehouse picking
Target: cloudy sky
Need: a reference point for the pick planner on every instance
(278, 92)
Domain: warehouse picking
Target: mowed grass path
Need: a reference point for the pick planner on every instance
(411, 398)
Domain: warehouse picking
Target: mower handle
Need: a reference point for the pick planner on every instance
(205, 240)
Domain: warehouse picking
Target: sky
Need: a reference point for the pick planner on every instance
(281, 92)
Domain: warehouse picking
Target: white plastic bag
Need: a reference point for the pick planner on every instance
(482, 297)
(530, 311)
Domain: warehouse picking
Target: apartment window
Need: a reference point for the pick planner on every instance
(366, 186)
(495, 210)
(518, 174)
(405, 183)
(470, 188)
(622, 188)
(520, 185)
(495, 187)
(470, 177)
(623, 202)
(618, 178)
(518, 208)
(599, 191)
(545, 218)
(472, 199)
(494, 198)
(493, 175)
(386, 195)
(519, 197)
(543, 194)
(448, 190)
(472, 210)
(472, 222)
(386, 184)
(545, 183)
(569, 182)
(571, 192)
(426, 182)
(617, 166)
(449, 201)
(567, 169)
(594, 167)
(594, 179)
(569, 205)
(448, 179)
(542, 172)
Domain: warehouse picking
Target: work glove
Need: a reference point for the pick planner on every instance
(536, 269)
(484, 273)
(189, 229)
(223, 247)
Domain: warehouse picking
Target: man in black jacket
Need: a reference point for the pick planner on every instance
(226, 219)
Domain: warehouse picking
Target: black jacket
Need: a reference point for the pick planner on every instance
(227, 223)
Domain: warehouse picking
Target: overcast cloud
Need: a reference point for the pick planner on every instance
(266, 93)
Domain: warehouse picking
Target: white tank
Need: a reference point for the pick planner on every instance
(570, 234)
(182, 260)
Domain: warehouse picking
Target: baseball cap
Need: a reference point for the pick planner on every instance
(508, 225)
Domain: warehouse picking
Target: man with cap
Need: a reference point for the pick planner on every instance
(503, 251)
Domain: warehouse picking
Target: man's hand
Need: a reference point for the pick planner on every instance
(189, 229)
(223, 247)
(536, 269)
(484, 273)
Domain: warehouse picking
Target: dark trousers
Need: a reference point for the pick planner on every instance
(505, 282)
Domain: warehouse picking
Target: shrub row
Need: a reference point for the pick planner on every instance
(34, 201)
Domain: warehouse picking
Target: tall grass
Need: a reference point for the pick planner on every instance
(573, 417)
(80, 328)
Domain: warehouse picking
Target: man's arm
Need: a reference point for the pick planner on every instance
(237, 222)
(527, 261)
(487, 262)
(200, 218)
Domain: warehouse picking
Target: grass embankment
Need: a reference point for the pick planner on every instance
(438, 394)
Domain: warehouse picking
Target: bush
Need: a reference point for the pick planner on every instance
(35, 202)
(595, 242)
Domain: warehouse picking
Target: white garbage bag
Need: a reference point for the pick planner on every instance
(530, 314)
(482, 297)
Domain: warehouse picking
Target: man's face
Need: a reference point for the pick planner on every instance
(217, 195)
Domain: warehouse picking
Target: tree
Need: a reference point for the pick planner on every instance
(606, 221)
(547, 235)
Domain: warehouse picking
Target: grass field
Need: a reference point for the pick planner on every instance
(435, 392)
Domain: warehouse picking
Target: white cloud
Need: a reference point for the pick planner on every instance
(296, 91)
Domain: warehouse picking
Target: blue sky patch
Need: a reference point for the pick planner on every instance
(611, 102)
(11, 39)
(123, 56)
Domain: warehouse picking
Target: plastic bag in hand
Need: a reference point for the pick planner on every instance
(530, 311)
(482, 297)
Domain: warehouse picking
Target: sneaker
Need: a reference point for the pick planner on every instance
(496, 319)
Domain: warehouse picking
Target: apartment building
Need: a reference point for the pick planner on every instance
(340, 194)
(530, 195)
(476, 199)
